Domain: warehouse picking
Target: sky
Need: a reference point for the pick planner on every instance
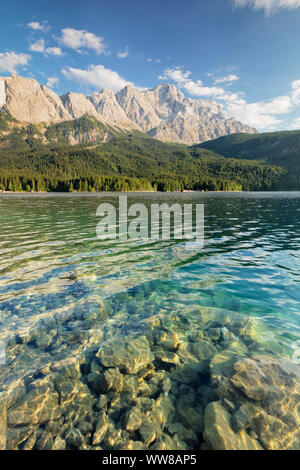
(244, 54)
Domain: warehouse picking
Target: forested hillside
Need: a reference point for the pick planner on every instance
(275, 148)
(128, 162)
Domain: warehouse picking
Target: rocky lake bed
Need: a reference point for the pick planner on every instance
(131, 373)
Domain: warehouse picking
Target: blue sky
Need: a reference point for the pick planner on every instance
(245, 54)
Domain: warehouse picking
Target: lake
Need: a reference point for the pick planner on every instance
(145, 344)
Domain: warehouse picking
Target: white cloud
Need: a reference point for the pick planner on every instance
(197, 89)
(177, 75)
(75, 39)
(54, 51)
(36, 26)
(38, 46)
(156, 60)
(10, 61)
(123, 54)
(295, 124)
(270, 6)
(194, 88)
(98, 76)
(295, 92)
(52, 82)
(260, 114)
(227, 79)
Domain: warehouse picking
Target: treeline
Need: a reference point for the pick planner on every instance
(131, 163)
(41, 183)
(209, 184)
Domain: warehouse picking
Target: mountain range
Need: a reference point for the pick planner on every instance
(163, 112)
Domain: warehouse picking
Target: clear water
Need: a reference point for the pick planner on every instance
(51, 263)
(250, 263)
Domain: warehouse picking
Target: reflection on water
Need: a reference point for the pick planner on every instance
(126, 339)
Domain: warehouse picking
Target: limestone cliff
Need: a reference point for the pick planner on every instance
(163, 112)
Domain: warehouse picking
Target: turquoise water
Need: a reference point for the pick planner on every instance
(53, 266)
(250, 263)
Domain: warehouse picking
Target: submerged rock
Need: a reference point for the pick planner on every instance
(150, 391)
(214, 334)
(16, 436)
(273, 387)
(133, 419)
(163, 410)
(129, 356)
(241, 418)
(43, 340)
(34, 408)
(74, 438)
(102, 402)
(112, 380)
(222, 364)
(101, 429)
(184, 434)
(44, 441)
(190, 414)
(59, 444)
(206, 394)
(69, 368)
(265, 392)
(164, 356)
(3, 415)
(30, 442)
(95, 380)
(219, 434)
(168, 340)
(149, 430)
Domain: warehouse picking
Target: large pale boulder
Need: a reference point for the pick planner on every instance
(219, 433)
(261, 394)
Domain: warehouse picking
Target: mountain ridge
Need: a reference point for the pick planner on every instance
(162, 112)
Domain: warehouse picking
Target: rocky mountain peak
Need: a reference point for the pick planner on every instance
(163, 112)
(138, 108)
(169, 90)
(27, 100)
(108, 108)
(78, 105)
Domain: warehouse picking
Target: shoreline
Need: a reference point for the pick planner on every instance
(150, 192)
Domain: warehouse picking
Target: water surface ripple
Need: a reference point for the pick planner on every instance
(52, 266)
